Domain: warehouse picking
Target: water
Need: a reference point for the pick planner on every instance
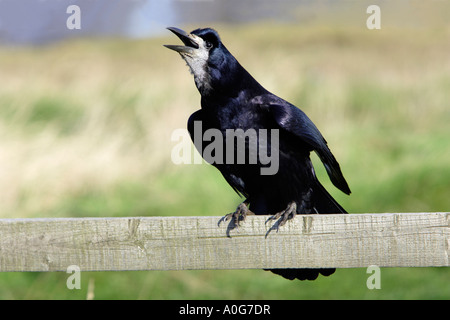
(41, 21)
(45, 21)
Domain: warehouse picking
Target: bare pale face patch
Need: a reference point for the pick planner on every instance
(197, 60)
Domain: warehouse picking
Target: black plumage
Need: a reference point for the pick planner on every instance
(232, 99)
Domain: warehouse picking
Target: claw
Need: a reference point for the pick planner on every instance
(282, 216)
(238, 216)
(285, 214)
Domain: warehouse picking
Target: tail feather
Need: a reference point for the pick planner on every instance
(323, 201)
(302, 274)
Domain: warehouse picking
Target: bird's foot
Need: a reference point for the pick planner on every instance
(283, 216)
(238, 216)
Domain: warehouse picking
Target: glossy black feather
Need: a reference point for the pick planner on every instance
(236, 100)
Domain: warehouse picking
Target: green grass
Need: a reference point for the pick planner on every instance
(396, 283)
(91, 138)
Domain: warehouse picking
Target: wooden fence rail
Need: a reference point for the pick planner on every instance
(176, 243)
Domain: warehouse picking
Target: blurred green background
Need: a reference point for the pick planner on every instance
(85, 131)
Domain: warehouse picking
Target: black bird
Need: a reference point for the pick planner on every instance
(232, 99)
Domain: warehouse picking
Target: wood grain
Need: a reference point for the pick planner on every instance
(177, 243)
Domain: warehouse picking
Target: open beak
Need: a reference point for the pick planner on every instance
(188, 40)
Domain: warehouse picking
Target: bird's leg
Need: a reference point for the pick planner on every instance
(239, 215)
(284, 215)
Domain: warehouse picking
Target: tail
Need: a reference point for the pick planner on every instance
(302, 274)
(324, 203)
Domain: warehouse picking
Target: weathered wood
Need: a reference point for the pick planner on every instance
(176, 243)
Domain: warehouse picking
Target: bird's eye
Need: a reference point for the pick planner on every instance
(208, 45)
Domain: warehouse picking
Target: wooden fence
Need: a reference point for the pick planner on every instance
(177, 243)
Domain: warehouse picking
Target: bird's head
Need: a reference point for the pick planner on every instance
(208, 59)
